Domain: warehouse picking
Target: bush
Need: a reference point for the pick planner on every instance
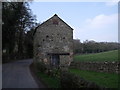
(69, 80)
(41, 66)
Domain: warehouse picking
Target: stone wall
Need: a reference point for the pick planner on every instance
(111, 67)
(53, 37)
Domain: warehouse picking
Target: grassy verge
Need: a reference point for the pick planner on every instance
(104, 56)
(103, 79)
(51, 82)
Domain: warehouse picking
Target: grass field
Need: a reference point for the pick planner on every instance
(103, 56)
(52, 82)
(103, 79)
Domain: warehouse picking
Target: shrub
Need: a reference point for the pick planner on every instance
(41, 66)
(69, 80)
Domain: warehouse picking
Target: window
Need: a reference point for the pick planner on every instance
(55, 21)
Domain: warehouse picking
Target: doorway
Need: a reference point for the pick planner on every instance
(55, 60)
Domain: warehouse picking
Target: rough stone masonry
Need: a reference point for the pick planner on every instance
(106, 66)
(53, 43)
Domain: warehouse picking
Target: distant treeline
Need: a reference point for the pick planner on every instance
(94, 47)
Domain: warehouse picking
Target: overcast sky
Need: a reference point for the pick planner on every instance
(96, 21)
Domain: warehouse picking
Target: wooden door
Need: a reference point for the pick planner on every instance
(55, 60)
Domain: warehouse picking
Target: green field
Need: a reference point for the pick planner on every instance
(108, 80)
(103, 56)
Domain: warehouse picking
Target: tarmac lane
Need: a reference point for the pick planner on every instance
(17, 75)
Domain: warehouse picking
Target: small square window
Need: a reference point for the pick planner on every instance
(55, 21)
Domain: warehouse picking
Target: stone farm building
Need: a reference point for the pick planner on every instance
(53, 43)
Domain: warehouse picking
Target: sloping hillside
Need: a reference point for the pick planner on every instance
(104, 56)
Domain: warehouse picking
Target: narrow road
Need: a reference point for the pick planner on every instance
(17, 75)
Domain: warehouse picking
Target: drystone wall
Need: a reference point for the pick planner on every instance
(111, 67)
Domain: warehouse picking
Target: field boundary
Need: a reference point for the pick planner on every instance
(111, 67)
